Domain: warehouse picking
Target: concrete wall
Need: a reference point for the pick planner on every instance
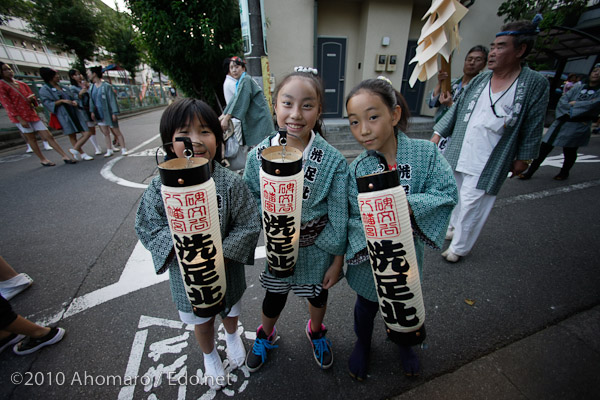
(384, 19)
(290, 40)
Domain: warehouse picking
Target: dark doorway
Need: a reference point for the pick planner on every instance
(414, 95)
(331, 63)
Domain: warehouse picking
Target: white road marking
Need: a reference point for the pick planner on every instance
(138, 274)
(546, 193)
(557, 161)
(107, 173)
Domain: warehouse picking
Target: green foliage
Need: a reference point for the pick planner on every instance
(71, 25)
(555, 12)
(189, 39)
(13, 8)
(119, 38)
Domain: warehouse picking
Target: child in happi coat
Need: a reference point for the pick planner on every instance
(298, 108)
(239, 226)
(377, 114)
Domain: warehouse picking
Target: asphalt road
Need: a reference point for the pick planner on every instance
(71, 228)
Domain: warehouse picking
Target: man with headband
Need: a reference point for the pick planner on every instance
(496, 127)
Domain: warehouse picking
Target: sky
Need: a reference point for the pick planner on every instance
(120, 3)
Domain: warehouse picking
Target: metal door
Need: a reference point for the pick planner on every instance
(414, 95)
(331, 63)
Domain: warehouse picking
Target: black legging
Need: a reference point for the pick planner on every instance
(570, 154)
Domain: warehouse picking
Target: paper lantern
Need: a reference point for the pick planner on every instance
(386, 221)
(281, 186)
(190, 201)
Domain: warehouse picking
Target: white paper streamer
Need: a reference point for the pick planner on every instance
(386, 221)
(193, 218)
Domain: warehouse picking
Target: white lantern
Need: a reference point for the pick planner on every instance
(386, 221)
(190, 201)
(281, 186)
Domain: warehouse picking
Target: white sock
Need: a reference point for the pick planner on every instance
(231, 337)
(95, 143)
(213, 356)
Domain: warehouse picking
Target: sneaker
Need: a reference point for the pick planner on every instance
(321, 346)
(47, 147)
(109, 153)
(214, 373)
(76, 154)
(86, 157)
(10, 340)
(258, 356)
(451, 257)
(31, 345)
(29, 149)
(124, 152)
(15, 285)
(236, 353)
(115, 148)
(449, 233)
(98, 152)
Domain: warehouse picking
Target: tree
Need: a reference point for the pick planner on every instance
(189, 40)
(13, 8)
(71, 25)
(554, 12)
(120, 39)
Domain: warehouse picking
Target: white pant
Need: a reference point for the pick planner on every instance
(470, 214)
(192, 319)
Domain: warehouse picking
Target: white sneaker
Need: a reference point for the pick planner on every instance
(124, 152)
(451, 257)
(86, 157)
(98, 152)
(236, 353)
(76, 154)
(449, 233)
(29, 149)
(47, 147)
(214, 373)
(116, 148)
(109, 153)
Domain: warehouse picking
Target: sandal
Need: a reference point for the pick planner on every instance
(560, 177)
(70, 161)
(48, 164)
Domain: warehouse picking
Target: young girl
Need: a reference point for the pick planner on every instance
(18, 100)
(105, 110)
(79, 90)
(377, 114)
(298, 107)
(71, 118)
(240, 227)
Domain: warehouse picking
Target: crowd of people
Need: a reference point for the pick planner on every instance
(495, 120)
(76, 110)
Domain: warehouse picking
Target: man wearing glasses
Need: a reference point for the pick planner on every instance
(496, 127)
(475, 62)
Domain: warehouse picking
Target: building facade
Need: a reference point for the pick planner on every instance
(346, 39)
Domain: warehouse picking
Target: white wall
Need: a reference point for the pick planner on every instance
(290, 35)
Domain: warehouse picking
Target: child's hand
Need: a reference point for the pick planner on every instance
(332, 275)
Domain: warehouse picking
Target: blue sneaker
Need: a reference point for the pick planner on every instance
(262, 344)
(321, 346)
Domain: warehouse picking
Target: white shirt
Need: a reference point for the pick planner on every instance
(229, 88)
(305, 153)
(484, 129)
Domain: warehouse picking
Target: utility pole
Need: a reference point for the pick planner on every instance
(253, 62)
